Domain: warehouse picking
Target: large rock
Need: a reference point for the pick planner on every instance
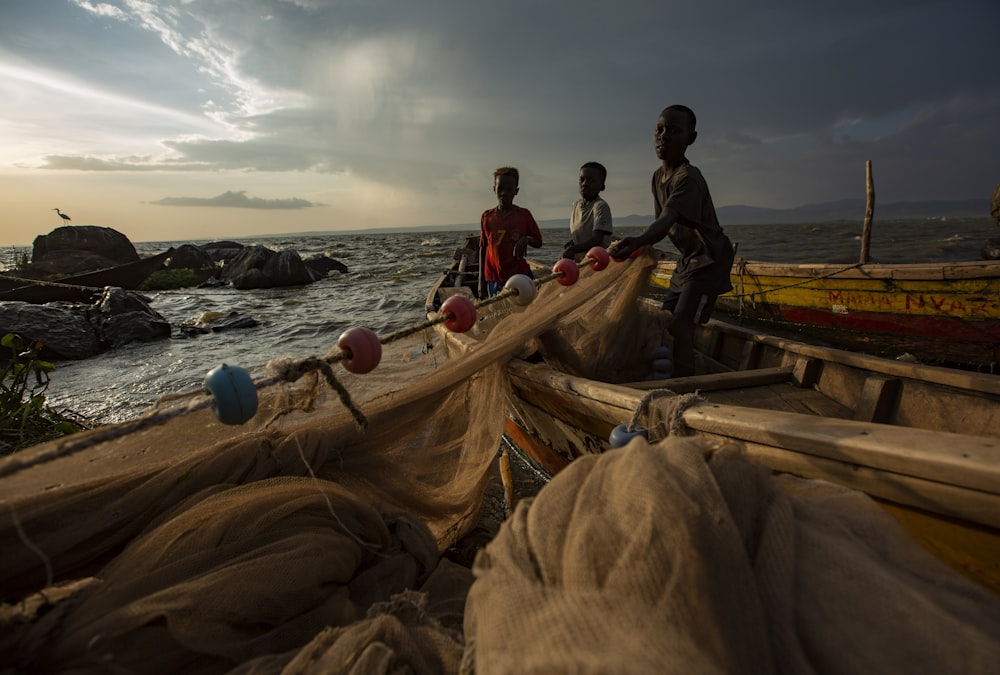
(190, 257)
(197, 261)
(260, 267)
(76, 331)
(74, 249)
(322, 265)
(222, 251)
(123, 317)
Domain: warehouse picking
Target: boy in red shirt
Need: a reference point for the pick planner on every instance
(505, 234)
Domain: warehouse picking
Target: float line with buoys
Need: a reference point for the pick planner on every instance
(232, 392)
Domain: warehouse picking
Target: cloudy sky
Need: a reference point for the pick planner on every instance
(208, 119)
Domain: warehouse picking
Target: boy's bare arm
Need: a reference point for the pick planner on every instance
(521, 246)
(482, 269)
(571, 249)
(665, 225)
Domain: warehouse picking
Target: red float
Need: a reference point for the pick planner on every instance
(570, 272)
(599, 257)
(463, 313)
(362, 349)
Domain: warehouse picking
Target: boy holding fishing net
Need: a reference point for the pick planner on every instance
(684, 212)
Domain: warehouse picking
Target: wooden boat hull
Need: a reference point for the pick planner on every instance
(81, 287)
(924, 448)
(947, 313)
(920, 439)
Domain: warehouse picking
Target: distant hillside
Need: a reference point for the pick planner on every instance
(851, 210)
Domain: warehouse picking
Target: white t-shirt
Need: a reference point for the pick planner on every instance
(589, 217)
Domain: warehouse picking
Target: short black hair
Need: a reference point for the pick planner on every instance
(507, 171)
(687, 111)
(599, 167)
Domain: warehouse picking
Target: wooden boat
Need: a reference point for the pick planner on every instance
(462, 276)
(920, 439)
(940, 313)
(81, 287)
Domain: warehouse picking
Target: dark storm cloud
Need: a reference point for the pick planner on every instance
(792, 97)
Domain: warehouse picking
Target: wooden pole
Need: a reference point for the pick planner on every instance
(507, 479)
(866, 233)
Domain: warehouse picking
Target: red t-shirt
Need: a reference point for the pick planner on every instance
(500, 233)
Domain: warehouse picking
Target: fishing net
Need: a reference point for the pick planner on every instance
(670, 558)
(211, 546)
(304, 541)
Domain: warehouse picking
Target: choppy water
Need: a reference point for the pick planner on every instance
(390, 275)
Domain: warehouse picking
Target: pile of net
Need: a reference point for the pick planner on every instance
(304, 541)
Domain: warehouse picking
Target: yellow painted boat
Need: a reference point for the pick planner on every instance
(941, 313)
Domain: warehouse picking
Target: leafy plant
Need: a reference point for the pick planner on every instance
(164, 280)
(25, 418)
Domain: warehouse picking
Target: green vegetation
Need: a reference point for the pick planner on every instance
(166, 280)
(25, 419)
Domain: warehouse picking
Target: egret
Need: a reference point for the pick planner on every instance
(62, 215)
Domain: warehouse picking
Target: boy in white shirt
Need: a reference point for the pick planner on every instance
(590, 219)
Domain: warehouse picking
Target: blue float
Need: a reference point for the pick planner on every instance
(620, 435)
(234, 395)
(661, 352)
(662, 366)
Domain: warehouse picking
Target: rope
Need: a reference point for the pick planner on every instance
(282, 370)
(675, 417)
(56, 284)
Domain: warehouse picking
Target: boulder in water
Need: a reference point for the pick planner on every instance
(191, 257)
(260, 267)
(222, 251)
(323, 265)
(76, 331)
(74, 249)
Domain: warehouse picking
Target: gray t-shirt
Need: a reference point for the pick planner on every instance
(706, 267)
(586, 218)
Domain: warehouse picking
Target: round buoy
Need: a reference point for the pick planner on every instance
(620, 435)
(463, 313)
(661, 352)
(570, 272)
(524, 287)
(234, 396)
(362, 348)
(662, 365)
(599, 257)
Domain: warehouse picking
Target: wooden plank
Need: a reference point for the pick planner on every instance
(748, 359)
(878, 401)
(977, 382)
(784, 396)
(971, 462)
(806, 371)
(972, 505)
(734, 379)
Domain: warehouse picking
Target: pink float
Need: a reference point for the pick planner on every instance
(362, 349)
(462, 311)
(599, 257)
(569, 271)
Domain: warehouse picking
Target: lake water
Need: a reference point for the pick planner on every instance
(385, 290)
